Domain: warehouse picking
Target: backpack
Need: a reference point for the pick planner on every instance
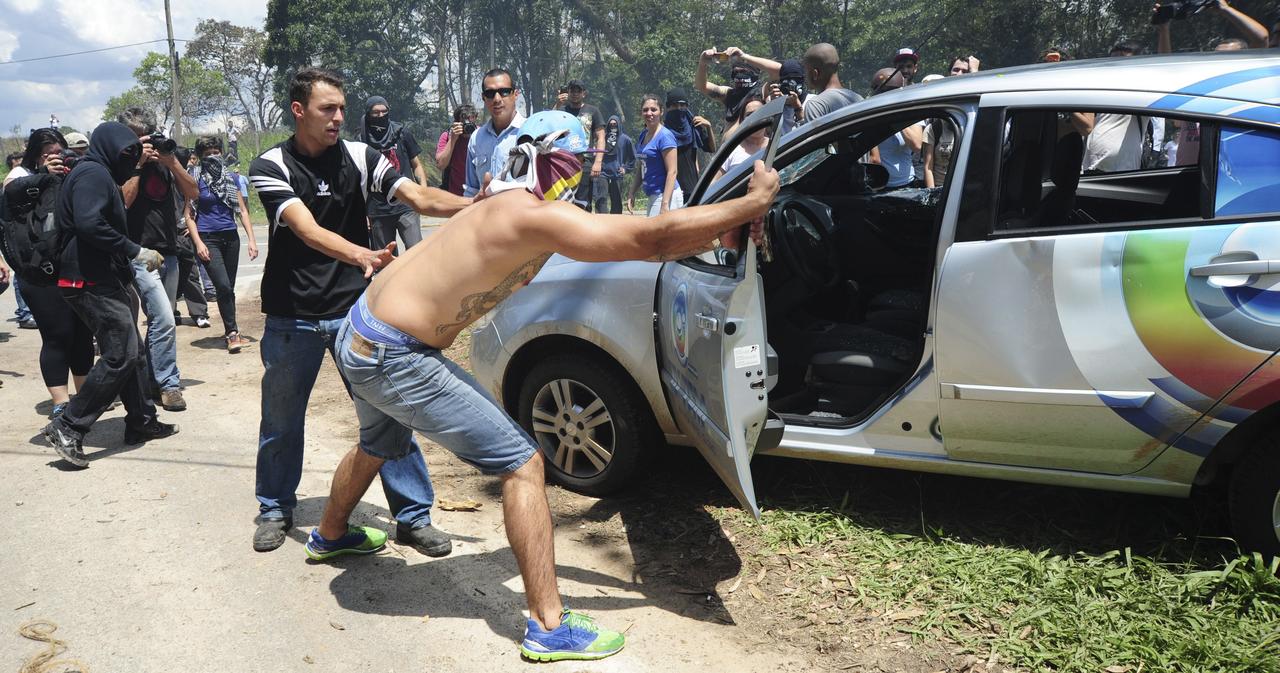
(30, 237)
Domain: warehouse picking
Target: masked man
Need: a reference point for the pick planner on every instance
(398, 145)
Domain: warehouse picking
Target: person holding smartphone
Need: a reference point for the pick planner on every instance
(451, 161)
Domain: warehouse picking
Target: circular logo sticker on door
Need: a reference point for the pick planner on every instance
(680, 323)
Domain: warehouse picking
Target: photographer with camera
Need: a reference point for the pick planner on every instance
(1163, 14)
(397, 144)
(29, 246)
(451, 152)
(791, 83)
(96, 277)
(151, 198)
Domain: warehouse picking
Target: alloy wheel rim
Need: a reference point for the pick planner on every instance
(573, 428)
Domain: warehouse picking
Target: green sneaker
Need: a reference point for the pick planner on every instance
(358, 540)
(577, 637)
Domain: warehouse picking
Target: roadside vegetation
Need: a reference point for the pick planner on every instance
(1012, 575)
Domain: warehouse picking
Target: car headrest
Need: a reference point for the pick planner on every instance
(1068, 156)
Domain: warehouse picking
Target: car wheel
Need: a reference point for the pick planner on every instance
(1255, 498)
(590, 422)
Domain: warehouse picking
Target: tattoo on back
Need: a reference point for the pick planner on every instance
(475, 305)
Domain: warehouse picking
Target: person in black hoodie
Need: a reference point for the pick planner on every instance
(619, 158)
(96, 278)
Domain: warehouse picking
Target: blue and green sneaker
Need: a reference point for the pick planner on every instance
(577, 637)
(358, 540)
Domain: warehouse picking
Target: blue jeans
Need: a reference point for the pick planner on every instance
(162, 337)
(23, 312)
(401, 384)
(292, 350)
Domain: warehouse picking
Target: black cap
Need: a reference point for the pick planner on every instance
(576, 83)
(677, 95)
(791, 69)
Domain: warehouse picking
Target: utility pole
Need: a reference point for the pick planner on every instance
(173, 71)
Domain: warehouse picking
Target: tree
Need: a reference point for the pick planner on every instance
(237, 53)
(383, 48)
(202, 91)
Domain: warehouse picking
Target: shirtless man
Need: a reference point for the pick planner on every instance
(390, 349)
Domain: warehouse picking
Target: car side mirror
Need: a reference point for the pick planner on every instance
(877, 176)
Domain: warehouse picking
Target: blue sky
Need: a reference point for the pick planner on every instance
(76, 88)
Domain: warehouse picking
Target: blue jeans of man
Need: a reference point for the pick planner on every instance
(162, 336)
(23, 312)
(292, 351)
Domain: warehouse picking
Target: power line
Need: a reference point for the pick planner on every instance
(88, 51)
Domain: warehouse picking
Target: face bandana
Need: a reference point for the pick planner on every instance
(546, 171)
(213, 173)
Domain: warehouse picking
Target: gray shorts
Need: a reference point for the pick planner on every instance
(400, 387)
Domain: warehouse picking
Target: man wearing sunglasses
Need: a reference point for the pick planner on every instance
(487, 150)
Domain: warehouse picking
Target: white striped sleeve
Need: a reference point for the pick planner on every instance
(383, 179)
(270, 178)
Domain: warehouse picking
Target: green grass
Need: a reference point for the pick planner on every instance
(1037, 609)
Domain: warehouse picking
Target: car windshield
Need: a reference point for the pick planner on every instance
(801, 167)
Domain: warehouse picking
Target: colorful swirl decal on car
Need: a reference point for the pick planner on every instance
(1222, 95)
(1208, 335)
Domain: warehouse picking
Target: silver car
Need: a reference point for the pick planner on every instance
(1086, 296)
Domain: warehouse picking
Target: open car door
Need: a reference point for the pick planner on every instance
(712, 347)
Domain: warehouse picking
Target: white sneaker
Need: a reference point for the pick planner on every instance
(202, 322)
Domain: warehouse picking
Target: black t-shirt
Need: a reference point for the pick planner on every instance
(402, 161)
(153, 217)
(591, 119)
(687, 168)
(300, 281)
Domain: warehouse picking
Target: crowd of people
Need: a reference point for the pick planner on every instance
(124, 222)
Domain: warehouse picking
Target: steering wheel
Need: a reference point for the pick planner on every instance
(804, 236)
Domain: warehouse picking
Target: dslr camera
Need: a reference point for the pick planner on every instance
(162, 143)
(790, 86)
(468, 127)
(1178, 10)
(69, 159)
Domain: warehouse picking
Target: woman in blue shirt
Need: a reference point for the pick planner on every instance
(213, 231)
(658, 169)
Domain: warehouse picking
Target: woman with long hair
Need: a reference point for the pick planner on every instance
(213, 231)
(66, 343)
(658, 169)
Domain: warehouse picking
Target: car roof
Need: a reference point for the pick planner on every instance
(1251, 76)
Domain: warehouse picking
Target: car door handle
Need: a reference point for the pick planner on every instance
(708, 323)
(1249, 267)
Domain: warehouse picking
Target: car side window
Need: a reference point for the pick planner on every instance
(1071, 168)
(1248, 172)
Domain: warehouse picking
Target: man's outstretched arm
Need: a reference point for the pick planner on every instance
(675, 234)
(430, 200)
(299, 219)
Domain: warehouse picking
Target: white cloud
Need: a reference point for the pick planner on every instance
(76, 88)
(8, 44)
(23, 6)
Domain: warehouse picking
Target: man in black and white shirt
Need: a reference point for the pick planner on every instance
(315, 189)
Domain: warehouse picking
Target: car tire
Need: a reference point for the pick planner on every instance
(590, 381)
(1255, 498)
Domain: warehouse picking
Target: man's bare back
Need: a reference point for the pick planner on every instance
(496, 246)
(459, 273)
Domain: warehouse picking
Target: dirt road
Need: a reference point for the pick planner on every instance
(144, 560)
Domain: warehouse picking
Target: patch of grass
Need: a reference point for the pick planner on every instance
(1036, 609)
